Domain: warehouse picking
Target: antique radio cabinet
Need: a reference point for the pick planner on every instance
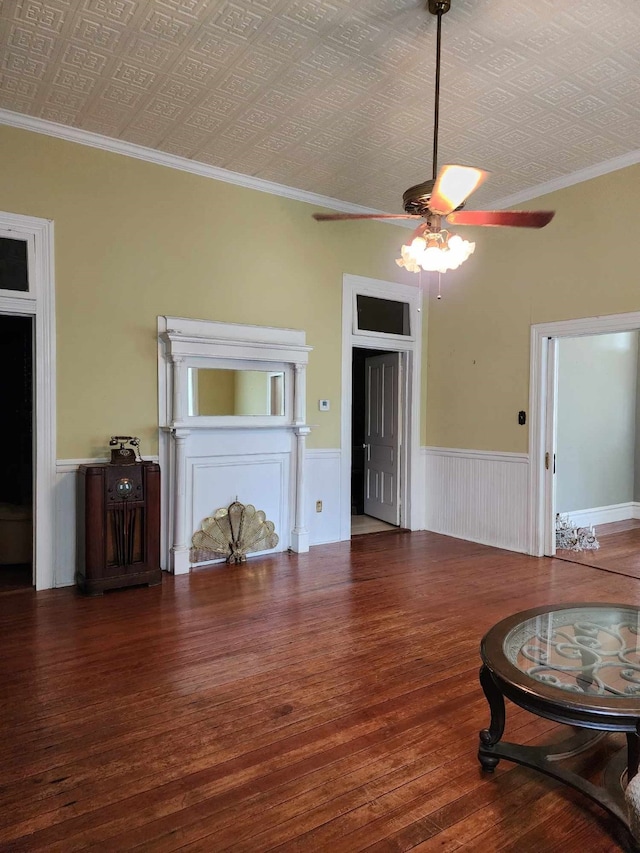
(119, 526)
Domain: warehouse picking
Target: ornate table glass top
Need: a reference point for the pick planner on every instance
(590, 650)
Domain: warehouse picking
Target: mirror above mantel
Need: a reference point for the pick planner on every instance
(232, 375)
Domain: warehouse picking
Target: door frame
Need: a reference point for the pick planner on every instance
(542, 411)
(410, 349)
(39, 303)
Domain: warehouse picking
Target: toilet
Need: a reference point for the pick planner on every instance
(16, 534)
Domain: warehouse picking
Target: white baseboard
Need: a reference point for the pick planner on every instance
(478, 495)
(604, 514)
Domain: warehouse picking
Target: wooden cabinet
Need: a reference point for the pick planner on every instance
(119, 518)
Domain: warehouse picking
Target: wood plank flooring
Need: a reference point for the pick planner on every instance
(619, 549)
(319, 702)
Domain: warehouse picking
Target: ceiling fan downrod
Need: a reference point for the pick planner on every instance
(437, 8)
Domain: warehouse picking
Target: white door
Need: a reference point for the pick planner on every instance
(382, 437)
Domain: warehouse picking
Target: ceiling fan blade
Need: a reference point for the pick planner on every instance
(511, 218)
(335, 217)
(453, 185)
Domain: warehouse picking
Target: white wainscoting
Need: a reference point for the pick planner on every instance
(478, 495)
(322, 483)
(604, 514)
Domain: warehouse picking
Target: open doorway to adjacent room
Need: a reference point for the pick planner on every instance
(586, 441)
(376, 410)
(597, 456)
(16, 459)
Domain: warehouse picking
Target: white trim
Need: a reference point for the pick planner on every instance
(183, 164)
(487, 455)
(540, 441)
(595, 171)
(39, 302)
(604, 514)
(412, 483)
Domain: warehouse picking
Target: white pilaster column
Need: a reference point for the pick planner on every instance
(300, 393)
(178, 387)
(180, 562)
(300, 533)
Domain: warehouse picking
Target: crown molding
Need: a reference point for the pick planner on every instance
(173, 161)
(595, 171)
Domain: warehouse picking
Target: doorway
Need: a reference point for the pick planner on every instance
(597, 463)
(16, 461)
(27, 313)
(583, 436)
(376, 407)
(378, 318)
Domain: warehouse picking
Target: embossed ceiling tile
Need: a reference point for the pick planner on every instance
(559, 92)
(150, 53)
(70, 100)
(257, 119)
(165, 27)
(607, 69)
(317, 17)
(75, 81)
(83, 58)
(14, 86)
(355, 33)
(97, 34)
(204, 120)
(531, 78)
(584, 106)
(46, 18)
(114, 11)
(37, 45)
(501, 62)
(133, 75)
(187, 8)
(325, 60)
(23, 66)
(239, 20)
(544, 39)
(194, 69)
(284, 41)
(215, 46)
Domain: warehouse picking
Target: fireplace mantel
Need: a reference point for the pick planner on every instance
(217, 458)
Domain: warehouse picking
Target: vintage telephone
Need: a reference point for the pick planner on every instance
(125, 455)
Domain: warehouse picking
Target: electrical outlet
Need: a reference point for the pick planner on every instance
(318, 506)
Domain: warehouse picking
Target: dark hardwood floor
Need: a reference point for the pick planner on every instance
(326, 701)
(619, 549)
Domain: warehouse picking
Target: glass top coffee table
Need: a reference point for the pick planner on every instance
(577, 664)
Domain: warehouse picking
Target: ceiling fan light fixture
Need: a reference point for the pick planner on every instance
(435, 251)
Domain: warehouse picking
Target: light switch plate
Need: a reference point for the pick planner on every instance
(324, 405)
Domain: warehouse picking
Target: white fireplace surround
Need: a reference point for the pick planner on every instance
(210, 461)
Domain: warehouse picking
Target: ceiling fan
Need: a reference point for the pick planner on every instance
(442, 198)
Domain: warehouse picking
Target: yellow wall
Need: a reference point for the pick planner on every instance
(585, 263)
(134, 240)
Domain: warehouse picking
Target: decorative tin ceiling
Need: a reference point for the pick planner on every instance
(336, 96)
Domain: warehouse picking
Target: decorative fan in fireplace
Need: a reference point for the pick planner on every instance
(233, 532)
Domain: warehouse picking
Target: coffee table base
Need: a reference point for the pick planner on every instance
(546, 758)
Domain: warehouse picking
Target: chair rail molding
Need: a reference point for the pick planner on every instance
(210, 460)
